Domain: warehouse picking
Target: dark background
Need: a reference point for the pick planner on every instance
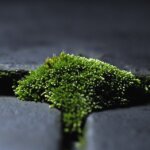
(114, 31)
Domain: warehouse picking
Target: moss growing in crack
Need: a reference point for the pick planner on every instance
(78, 86)
(12, 74)
(4, 74)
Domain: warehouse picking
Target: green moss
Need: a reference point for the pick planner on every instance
(12, 74)
(3, 74)
(78, 86)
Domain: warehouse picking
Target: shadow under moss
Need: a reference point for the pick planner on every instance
(8, 79)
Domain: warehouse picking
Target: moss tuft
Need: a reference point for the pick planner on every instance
(77, 86)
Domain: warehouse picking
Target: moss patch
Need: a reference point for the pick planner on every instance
(78, 86)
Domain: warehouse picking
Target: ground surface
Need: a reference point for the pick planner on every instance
(118, 33)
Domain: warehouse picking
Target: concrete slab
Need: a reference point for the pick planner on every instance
(28, 125)
(120, 129)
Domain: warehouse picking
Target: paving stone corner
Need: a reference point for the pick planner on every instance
(120, 129)
(28, 125)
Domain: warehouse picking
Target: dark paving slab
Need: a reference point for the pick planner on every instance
(122, 129)
(118, 33)
(28, 126)
(17, 67)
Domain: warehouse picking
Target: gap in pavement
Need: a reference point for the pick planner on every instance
(69, 141)
(8, 79)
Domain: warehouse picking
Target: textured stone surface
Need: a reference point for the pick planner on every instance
(115, 32)
(17, 67)
(122, 129)
(28, 126)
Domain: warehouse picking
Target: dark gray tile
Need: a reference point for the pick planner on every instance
(118, 33)
(121, 129)
(28, 125)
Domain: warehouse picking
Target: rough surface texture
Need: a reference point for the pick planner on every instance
(122, 129)
(117, 32)
(17, 67)
(28, 126)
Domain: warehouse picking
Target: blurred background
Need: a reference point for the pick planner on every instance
(114, 31)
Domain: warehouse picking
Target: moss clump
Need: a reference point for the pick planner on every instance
(77, 86)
